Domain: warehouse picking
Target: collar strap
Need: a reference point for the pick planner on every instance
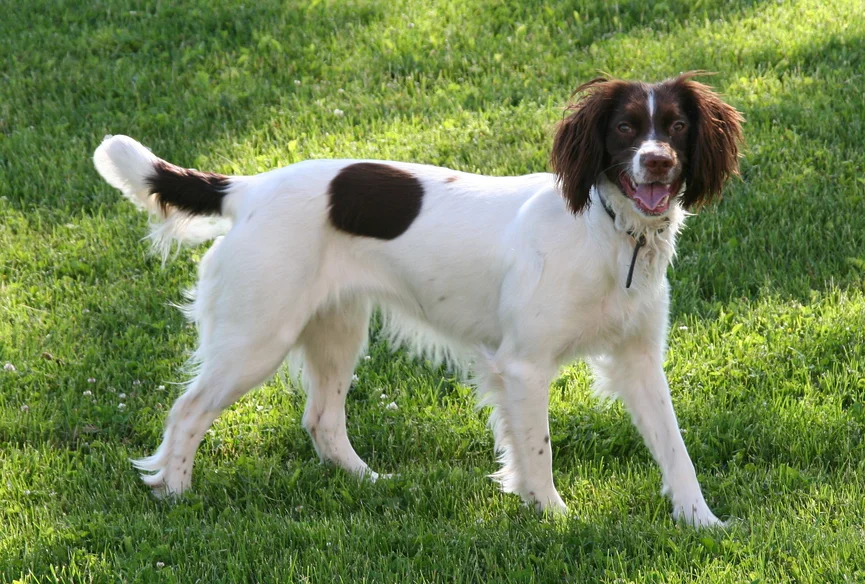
(639, 242)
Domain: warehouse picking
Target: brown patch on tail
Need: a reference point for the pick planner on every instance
(187, 190)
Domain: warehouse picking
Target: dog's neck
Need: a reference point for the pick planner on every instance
(639, 240)
(651, 239)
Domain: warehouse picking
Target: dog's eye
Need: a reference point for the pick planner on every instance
(625, 128)
(678, 126)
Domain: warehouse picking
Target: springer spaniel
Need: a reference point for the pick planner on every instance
(512, 276)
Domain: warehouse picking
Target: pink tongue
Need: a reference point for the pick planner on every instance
(651, 195)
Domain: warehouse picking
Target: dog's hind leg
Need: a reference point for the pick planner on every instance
(331, 344)
(228, 371)
(245, 330)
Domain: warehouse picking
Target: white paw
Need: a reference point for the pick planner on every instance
(162, 482)
(161, 488)
(696, 514)
(367, 474)
(549, 503)
(165, 494)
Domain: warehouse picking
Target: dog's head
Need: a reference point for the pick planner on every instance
(655, 142)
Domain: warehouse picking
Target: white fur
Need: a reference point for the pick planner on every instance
(494, 274)
(651, 104)
(125, 165)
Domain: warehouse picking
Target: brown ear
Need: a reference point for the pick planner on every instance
(714, 138)
(579, 148)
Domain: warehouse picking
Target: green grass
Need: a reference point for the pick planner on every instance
(766, 356)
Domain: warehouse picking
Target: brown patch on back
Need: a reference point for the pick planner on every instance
(374, 200)
(451, 179)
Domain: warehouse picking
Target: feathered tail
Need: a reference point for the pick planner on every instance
(188, 202)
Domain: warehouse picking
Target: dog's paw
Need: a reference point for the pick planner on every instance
(367, 474)
(550, 503)
(158, 487)
(696, 515)
(162, 493)
(164, 485)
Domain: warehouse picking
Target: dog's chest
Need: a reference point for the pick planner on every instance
(602, 312)
(608, 317)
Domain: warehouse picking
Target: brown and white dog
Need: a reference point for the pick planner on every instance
(513, 276)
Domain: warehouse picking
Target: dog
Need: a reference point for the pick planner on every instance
(512, 277)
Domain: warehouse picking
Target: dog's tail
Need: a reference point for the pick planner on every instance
(189, 203)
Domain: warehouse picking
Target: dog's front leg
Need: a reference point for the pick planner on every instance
(636, 375)
(521, 426)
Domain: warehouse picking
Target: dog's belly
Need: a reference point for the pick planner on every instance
(460, 306)
(453, 286)
(467, 317)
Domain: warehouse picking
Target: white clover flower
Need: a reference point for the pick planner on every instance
(338, 113)
(88, 393)
(122, 396)
(392, 406)
(121, 406)
(9, 367)
(25, 408)
(91, 380)
(297, 81)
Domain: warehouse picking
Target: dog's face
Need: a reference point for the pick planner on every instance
(655, 142)
(647, 147)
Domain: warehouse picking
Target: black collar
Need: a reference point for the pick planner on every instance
(639, 242)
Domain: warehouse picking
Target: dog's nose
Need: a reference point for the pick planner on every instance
(657, 163)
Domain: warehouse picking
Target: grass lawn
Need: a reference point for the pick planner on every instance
(766, 359)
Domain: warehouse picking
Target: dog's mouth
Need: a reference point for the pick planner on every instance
(650, 198)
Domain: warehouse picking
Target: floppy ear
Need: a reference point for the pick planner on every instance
(579, 149)
(714, 138)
